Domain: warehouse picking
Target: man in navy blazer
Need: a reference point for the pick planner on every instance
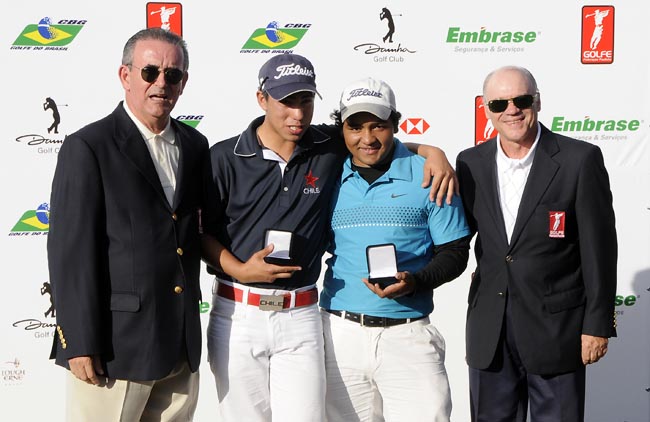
(128, 196)
(541, 301)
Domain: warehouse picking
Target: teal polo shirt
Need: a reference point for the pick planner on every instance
(393, 209)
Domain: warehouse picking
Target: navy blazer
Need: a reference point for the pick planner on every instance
(124, 264)
(558, 287)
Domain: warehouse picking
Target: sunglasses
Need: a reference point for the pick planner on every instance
(521, 102)
(150, 74)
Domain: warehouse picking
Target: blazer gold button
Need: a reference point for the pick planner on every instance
(178, 290)
(179, 251)
(174, 217)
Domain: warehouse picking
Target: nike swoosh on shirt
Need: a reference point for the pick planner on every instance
(396, 195)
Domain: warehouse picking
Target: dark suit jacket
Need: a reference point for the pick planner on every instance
(558, 288)
(124, 264)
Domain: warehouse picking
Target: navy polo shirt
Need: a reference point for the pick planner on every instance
(254, 195)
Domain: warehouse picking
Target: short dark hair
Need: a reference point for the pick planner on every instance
(394, 118)
(155, 34)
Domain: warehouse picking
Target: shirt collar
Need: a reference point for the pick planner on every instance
(247, 145)
(399, 168)
(167, 134)
(524, 161)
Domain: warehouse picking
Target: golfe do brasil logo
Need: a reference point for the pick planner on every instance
(47, 35)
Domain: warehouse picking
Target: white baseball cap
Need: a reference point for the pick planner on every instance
(369, 95)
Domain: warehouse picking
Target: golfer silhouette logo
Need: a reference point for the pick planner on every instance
(165, 14)
(599, 16)
(386, 14)
(49, 104)
(47, 289)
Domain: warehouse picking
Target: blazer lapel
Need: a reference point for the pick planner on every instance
(129, 141)
(183, 157)
(487, 172)
(541, 174)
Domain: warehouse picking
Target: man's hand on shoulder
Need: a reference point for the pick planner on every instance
(439, 175)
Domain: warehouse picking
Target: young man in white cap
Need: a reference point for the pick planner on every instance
(274, 183)
(383, 355)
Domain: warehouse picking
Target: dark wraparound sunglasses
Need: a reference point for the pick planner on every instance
(150, 73)
(521, 102)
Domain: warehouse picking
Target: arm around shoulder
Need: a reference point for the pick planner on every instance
(438, 173)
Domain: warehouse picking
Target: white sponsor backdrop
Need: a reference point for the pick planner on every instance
(435, 79)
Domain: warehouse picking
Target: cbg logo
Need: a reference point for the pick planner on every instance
(190, 119)
(275, 38)
(597, 35)
(48, 36)
(483, 127)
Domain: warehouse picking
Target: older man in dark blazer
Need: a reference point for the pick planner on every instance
(541, 301)
(124, 247)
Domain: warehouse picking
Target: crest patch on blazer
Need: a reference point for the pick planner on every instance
(556, 220)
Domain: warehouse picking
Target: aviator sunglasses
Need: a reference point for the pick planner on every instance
(150, 73)
(521, 102)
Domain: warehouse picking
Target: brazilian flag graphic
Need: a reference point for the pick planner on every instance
(46, 34)
(34, 220)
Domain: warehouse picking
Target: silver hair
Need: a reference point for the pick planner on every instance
(155, 34)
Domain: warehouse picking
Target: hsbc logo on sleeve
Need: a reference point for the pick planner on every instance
(597, 35)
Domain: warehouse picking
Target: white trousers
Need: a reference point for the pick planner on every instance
(268, 365)
(394, 374)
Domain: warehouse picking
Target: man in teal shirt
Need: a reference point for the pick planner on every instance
(380, 346)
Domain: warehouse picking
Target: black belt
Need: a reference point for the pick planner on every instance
(372, 321)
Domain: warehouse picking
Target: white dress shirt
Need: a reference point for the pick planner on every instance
(164, 153)
(512, 175)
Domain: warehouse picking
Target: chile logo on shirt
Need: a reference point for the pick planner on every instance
(310, 184)
(556, 220)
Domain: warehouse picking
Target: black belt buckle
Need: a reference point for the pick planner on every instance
(372, 321)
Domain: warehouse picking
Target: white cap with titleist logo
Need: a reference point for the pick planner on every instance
(369, 95)
(286, 74)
